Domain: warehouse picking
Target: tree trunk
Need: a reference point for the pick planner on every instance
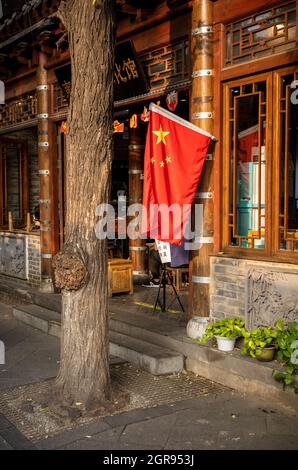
(84, 369)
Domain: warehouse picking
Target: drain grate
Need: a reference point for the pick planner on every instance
(145, 391)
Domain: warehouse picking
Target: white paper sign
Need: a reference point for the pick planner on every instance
(164, 251)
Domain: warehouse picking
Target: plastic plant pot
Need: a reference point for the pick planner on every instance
(225, 344)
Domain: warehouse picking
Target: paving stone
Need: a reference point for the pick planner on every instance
(16, 440)
(157, 411)
(122, 419)
(282, 425)
(106, 440)
(72, 435)
(4, 423)
(4, 445)
(153, 432)
(182, 442)
(256, 441)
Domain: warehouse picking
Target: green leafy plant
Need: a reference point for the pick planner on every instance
(287, 344)
(232, 327)
(257, 340)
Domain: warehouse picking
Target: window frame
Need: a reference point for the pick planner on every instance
(253, 253)
(272, 251)
(277, 253)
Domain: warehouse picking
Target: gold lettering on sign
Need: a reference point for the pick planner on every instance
(126, 71)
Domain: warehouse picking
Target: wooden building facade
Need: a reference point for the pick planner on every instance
(235, 67)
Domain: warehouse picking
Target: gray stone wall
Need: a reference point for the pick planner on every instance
(20, 256)
(34, 271)
(227, 288)
(259, 292)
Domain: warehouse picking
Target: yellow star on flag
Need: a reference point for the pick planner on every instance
(161, 135)
(162, 164)
(152, 160)
(169, 159)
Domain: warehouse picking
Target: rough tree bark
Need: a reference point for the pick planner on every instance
(82, 266)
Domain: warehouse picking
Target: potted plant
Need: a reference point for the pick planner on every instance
(287, 345)
(225, 331)
(260, 343)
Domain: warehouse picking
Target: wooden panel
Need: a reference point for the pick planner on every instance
(265, 33)
(168, 31)
(229, 10)
(20, 110)
(259, 65)
(21, 85)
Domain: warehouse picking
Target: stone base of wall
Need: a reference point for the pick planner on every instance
(20, 256)
(259, 292)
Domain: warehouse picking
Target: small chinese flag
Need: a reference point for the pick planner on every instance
(174, 157)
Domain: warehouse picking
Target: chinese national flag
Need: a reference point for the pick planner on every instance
(174, 157)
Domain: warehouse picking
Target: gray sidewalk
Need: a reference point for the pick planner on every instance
(31, 355)
(217, 421)
(224, 421)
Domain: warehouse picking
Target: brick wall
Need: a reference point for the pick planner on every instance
(227, 288)
(34, 272)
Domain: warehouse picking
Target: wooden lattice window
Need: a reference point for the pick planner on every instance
(14, 182)
(167, 65)
(60, 97)
(17, 111)
(286, 85)
(263, 34)
(246, 160)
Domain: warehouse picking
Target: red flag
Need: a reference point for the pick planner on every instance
(174, 157)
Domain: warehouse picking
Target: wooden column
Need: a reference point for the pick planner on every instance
(201, 109)
(137, 248)
(45, 146)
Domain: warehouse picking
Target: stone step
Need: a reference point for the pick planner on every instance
(48, 301)
(40, 318)
(154, 359)
(164, 333)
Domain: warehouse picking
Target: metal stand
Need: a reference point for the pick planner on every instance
(163, 285)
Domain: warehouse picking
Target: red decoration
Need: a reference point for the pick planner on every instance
(118, 126)
(133, 123)
(174, 158)
(145, 116)
(63, 127)
(172, 100)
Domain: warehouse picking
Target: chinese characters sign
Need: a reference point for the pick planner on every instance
(129, 78)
